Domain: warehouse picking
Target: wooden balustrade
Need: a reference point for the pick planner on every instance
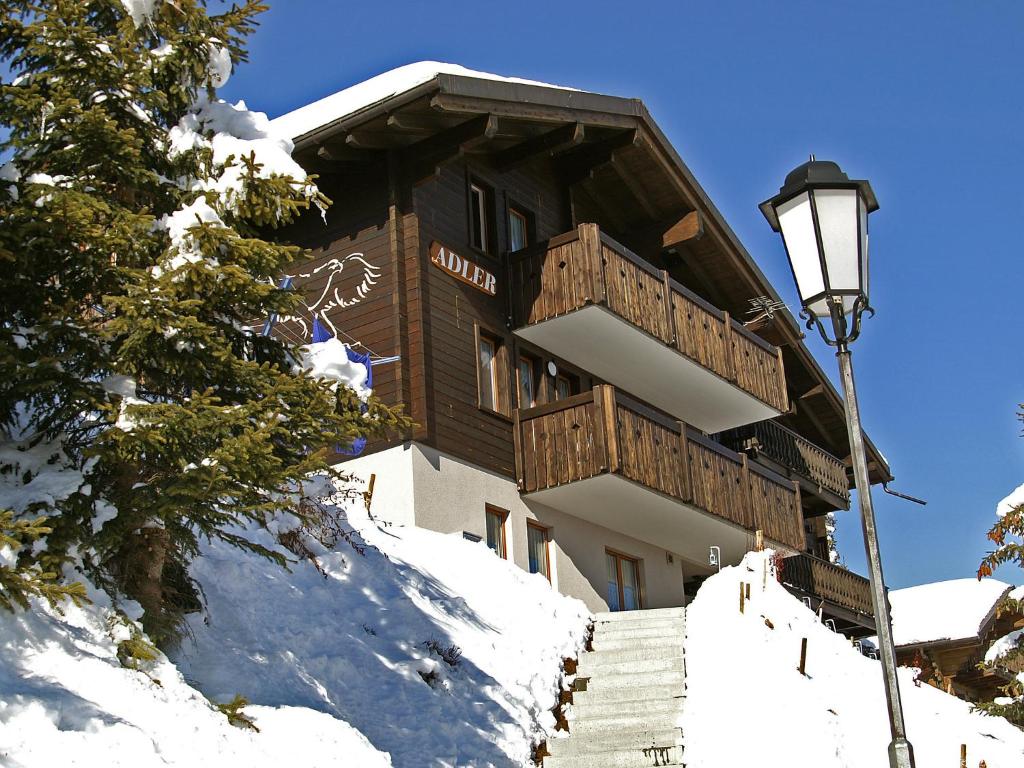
(604, 431)
(828, 581)
(787, 448)
(585, 266)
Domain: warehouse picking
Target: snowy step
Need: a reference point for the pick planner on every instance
(624, 721)
(650, 613)
(637, 633)
(605, 643)
(624, 696)
(639, 708)
(638, 651)
(622, 626)
(621, 758)
(613, 740)
(610, 682)
(593, 667)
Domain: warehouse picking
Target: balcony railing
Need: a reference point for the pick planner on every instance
(583, 269)
(830, 582)
(604, 432)
(788, 449)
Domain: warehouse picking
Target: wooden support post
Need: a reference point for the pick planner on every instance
(517, 443)
(611, 426)
(741, 597)
(730, 349)
(803, 657)
(368, 494)
(684, 458)
(670, 315)
(748, 590)
(963, 756)
(590, 243)
(758, 540)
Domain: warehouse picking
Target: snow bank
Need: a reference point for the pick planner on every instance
(336, 664)
(350, 642)
(66, 700)
(943, 610)
(375, 90)
(748, 705)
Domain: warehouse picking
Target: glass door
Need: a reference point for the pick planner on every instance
(623, 582)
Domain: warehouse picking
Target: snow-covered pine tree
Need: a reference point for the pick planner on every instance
(133, 213)
(1008, 652)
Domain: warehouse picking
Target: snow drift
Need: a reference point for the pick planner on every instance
(747, 704)
(405, 647)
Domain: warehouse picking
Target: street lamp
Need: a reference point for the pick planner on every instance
(823, 218)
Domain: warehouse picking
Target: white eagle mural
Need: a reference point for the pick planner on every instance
(327, 303)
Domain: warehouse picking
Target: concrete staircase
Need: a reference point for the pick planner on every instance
(629, 694)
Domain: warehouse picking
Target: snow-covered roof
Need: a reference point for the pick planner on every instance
(944, 610)
(356, 97)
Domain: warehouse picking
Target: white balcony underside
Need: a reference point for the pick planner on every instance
(618, 352)
(614, 502)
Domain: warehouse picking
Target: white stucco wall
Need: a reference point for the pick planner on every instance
(417, 485)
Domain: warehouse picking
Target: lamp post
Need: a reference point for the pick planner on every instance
(823, 218)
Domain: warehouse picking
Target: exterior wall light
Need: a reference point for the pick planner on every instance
(823, 218)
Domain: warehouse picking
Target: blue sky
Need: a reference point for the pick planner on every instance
(922, 99)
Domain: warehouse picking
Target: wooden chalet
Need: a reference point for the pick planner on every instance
(946, 628)
(565, 315)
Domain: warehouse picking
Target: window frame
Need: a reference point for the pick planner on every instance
(546, 531)
(619, 556)
(525, 357)
(501, 380)
(490, 510)
(526, 216)
(571, 380)
(482, 207)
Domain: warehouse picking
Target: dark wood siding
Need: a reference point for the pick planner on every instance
(454, 309)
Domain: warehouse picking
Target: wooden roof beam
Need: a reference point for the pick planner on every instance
(631, 183)
(690, 227)
(580, 163)
(550, 143)
(423, 159)
(338, 151)
(414, 123)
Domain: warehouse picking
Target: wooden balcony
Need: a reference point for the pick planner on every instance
(589, 300)
(607, 458)
(788, 453)
(846, 595)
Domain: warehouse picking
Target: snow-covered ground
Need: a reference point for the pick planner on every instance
(335, 664)
(748, 705)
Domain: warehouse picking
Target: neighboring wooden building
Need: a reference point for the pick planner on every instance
(946, 628)
(564, 310)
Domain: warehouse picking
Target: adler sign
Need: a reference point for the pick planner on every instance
(463, 269)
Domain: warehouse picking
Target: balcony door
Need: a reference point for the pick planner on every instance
(623, 582)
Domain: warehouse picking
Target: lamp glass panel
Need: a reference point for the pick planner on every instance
(862, 212)
(838, 219)
(797, 227)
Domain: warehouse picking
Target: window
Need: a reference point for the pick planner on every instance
(527, 382)
(488, 373)
(537, 543)
(518, 230)
(565, 386)
(492, 372)
(623, 581)
(496, 530)
(479, 214)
